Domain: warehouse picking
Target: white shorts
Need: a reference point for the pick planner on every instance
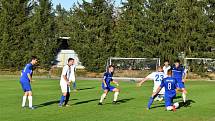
(64, 88)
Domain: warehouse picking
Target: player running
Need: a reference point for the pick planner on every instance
(65, 83)
(179, 73)
(170, 85)
(107, 79)
(157, 76)
(166, 66)
(26, 80)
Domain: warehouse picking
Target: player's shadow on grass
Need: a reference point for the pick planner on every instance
(87, 88)
(49, 103)
(86, 101)
(187, 103)
(125, 100)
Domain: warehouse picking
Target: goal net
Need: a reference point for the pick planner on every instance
(133, 68)
(200, 65)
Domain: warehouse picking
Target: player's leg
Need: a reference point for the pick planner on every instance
(67, 96)
(74, 85)
(116, 94)
(168, 104)
(24, 98)
(103, 96)
(182, 87)
(151, 100)
(30, 99)
(64, 93)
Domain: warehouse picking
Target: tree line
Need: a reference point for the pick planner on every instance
(99, 30)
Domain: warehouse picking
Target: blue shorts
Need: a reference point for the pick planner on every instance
(169, 100)
(26, 86)
(180, 85)
(109, 88)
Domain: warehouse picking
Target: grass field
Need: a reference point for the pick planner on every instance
(131, 107)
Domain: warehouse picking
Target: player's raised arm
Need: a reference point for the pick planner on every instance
(142, 81)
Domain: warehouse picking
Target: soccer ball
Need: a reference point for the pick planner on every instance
(176, 105)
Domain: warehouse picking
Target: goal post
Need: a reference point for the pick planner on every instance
(133, 68)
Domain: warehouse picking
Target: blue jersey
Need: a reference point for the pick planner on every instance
(27, 70)
(108, 78)
(178, 73)
(170, 85)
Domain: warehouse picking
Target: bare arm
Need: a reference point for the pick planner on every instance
(115, 82)
(157, 91)
(142, 81)
(29, 77)
(67, 80)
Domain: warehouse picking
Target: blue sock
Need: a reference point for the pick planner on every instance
(150, 102)
(62, 100)
(74, 85)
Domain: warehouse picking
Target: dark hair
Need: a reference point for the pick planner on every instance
(110, 66)
(169, 72)
(166, 61)
(70, 59)
(33, 57)
(177, 61)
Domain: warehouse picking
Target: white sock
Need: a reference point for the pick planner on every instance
(30, 101)
(102, 98)
(169, 108)
(184, 97)
(115, 96)
(24, 100)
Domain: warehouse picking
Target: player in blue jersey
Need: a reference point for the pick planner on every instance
(26, 80)
(170, 85)
(107, 87)
(179, 73)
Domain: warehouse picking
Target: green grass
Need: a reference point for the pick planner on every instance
(84, 107)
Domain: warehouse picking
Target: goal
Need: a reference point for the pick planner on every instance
(133, 68)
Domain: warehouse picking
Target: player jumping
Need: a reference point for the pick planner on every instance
(107, 79)
(157, 76)
(26, 80)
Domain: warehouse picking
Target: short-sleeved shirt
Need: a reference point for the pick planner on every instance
(178, 73)
(27, 70)
(165, 69)
(65, 72)
(108, 77)
(170, 85)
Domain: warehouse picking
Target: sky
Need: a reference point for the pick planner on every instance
(67, 4)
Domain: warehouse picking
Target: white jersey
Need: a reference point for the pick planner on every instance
(157, 77)
(165, 69)
(72, 74)
(65, 72)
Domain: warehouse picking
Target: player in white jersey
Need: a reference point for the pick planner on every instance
(166, 66)
(157, 76)
(72, 76)
(65, 83)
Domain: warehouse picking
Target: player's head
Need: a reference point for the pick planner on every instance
(34, 60)
(166, 62)
(159, 68)
(169, 72)
(111, 68)
(177, 63)
(71, 61)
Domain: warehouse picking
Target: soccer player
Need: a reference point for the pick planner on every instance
(72, 75)
(170, 85)
(65, 83)
(26, 80)
(179, 73)
(166, 66)
(106, 86)
(157, 76)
